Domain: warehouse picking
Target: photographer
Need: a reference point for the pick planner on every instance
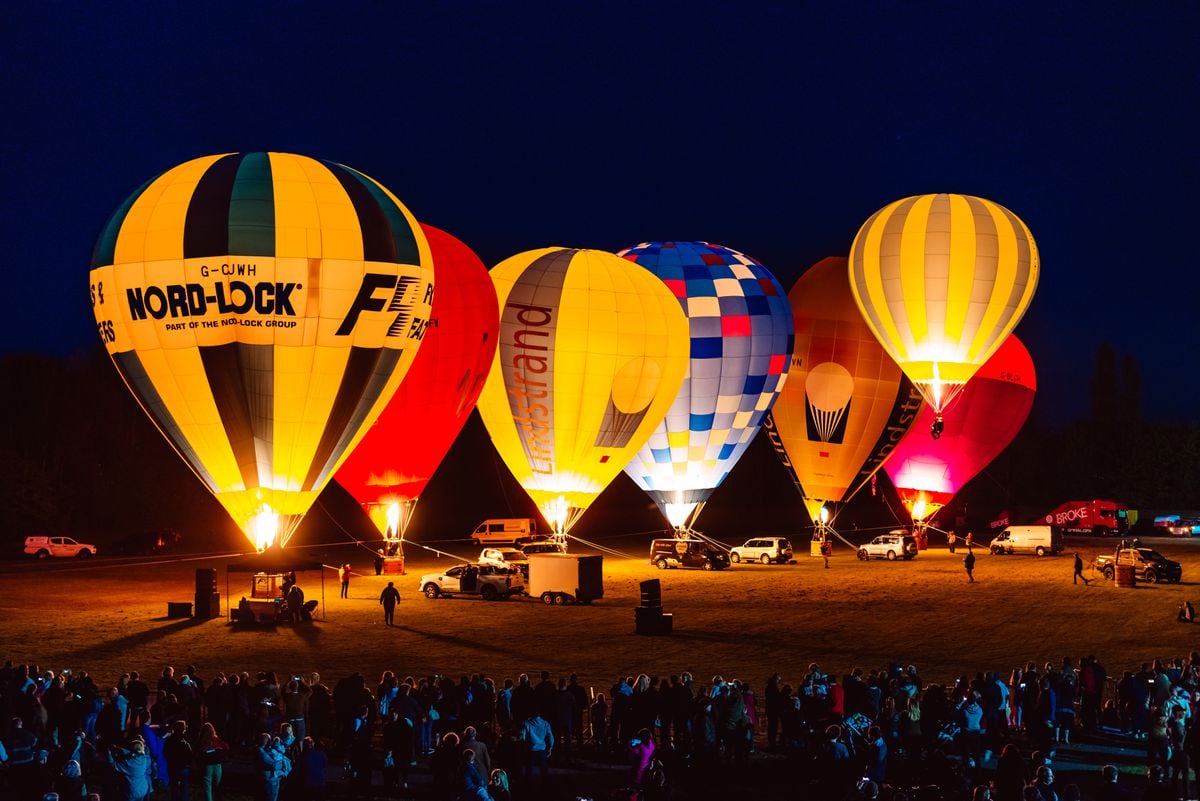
(134, 771)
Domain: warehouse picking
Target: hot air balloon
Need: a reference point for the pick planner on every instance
(741, 328)
(845, 404)
(592, 351)
(942, 280)
(389, 469)
(262, 308)
(985, 418)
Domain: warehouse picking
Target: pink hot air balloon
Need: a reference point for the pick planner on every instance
(988, 413)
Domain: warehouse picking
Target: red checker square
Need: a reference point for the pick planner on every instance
(735, 325)
(712, 258)
(678, 286)
(823, 454)
(768, 287)
(775, 367)
(604, 458)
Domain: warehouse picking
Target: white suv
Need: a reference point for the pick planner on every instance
(505, 557)
(896, 544)
(45, 547)
(763, 549)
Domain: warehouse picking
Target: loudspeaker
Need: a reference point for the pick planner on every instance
(651, 592)
(208, 604)
(206, 580)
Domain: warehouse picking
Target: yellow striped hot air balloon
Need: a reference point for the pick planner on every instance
(942, 280)
(592, 351)
(262, 308)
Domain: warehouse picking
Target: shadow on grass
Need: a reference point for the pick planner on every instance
(463, 642)
(141, 638)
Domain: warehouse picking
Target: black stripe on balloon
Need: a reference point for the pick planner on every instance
(134, 372)
(206, 227)
(363, 381)
(223, 367)
(378, 244)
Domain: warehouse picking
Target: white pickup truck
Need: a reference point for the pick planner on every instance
(45, 547)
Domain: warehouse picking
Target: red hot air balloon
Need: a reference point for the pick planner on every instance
(389, 469)
(988, 413)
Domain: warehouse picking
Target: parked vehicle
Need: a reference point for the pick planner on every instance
(46, 547)
(896, 544)
(543, 547)
(508, 530)
(560, 578)
(1148, 565)
(676, 552)
(1037, 540)
(505, 557)
(763, 549)
(1099, 517)
(487, 581)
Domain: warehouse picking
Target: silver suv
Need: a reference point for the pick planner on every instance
(763, 549)
(897, 544)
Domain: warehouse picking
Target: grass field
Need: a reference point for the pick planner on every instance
(108, 616)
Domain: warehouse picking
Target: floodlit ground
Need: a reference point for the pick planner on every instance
(109, 616)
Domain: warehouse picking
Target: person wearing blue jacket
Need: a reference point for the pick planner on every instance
(135, 771)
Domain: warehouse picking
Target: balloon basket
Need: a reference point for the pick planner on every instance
(393, 566)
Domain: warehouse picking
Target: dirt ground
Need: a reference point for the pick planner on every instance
(108, 616)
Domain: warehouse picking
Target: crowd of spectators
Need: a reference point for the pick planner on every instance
(885, 733)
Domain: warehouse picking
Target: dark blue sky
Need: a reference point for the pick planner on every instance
(775, 129)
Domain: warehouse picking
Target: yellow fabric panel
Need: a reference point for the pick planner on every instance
(912, 275)
(297, 222)
(999, 318)
(341, 237)
(142, 236)
(870, 294)
(964, 272)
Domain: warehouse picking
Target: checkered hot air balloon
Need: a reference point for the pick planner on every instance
(741, 332)
(262, 308)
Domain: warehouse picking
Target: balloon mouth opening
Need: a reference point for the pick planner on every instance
(935, 430)
(263, 529)
(393, 522)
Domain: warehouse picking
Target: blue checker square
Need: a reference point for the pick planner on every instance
(706, 347)
(667, 272)
(732, 305)
(705, 326)
(700, 287)
(754, 384)
(757, 305)
(700, 422)
(661, 456)
(691, 271)
(726, 451)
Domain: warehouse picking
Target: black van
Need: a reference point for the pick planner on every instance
(687, 553)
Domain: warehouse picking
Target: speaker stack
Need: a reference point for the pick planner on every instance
(208, 599)
(649, 618)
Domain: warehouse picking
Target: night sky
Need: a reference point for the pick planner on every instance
(775, 129)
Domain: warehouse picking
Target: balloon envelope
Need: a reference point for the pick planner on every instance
(741, 343)
(942, 280)
(262, 308)
(981, 422)
(845, 403)
(592, 351)
(398, 455)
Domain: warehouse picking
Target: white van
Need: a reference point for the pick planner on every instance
(1037, 540)
(505, 530)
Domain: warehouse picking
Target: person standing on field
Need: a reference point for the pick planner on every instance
(1079, 571)
(344, 575)
(969, 565)
(389, 598)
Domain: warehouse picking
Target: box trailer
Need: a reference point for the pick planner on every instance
(564, 578)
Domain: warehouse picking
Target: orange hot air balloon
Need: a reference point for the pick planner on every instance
(393, 463)
(845, 403)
